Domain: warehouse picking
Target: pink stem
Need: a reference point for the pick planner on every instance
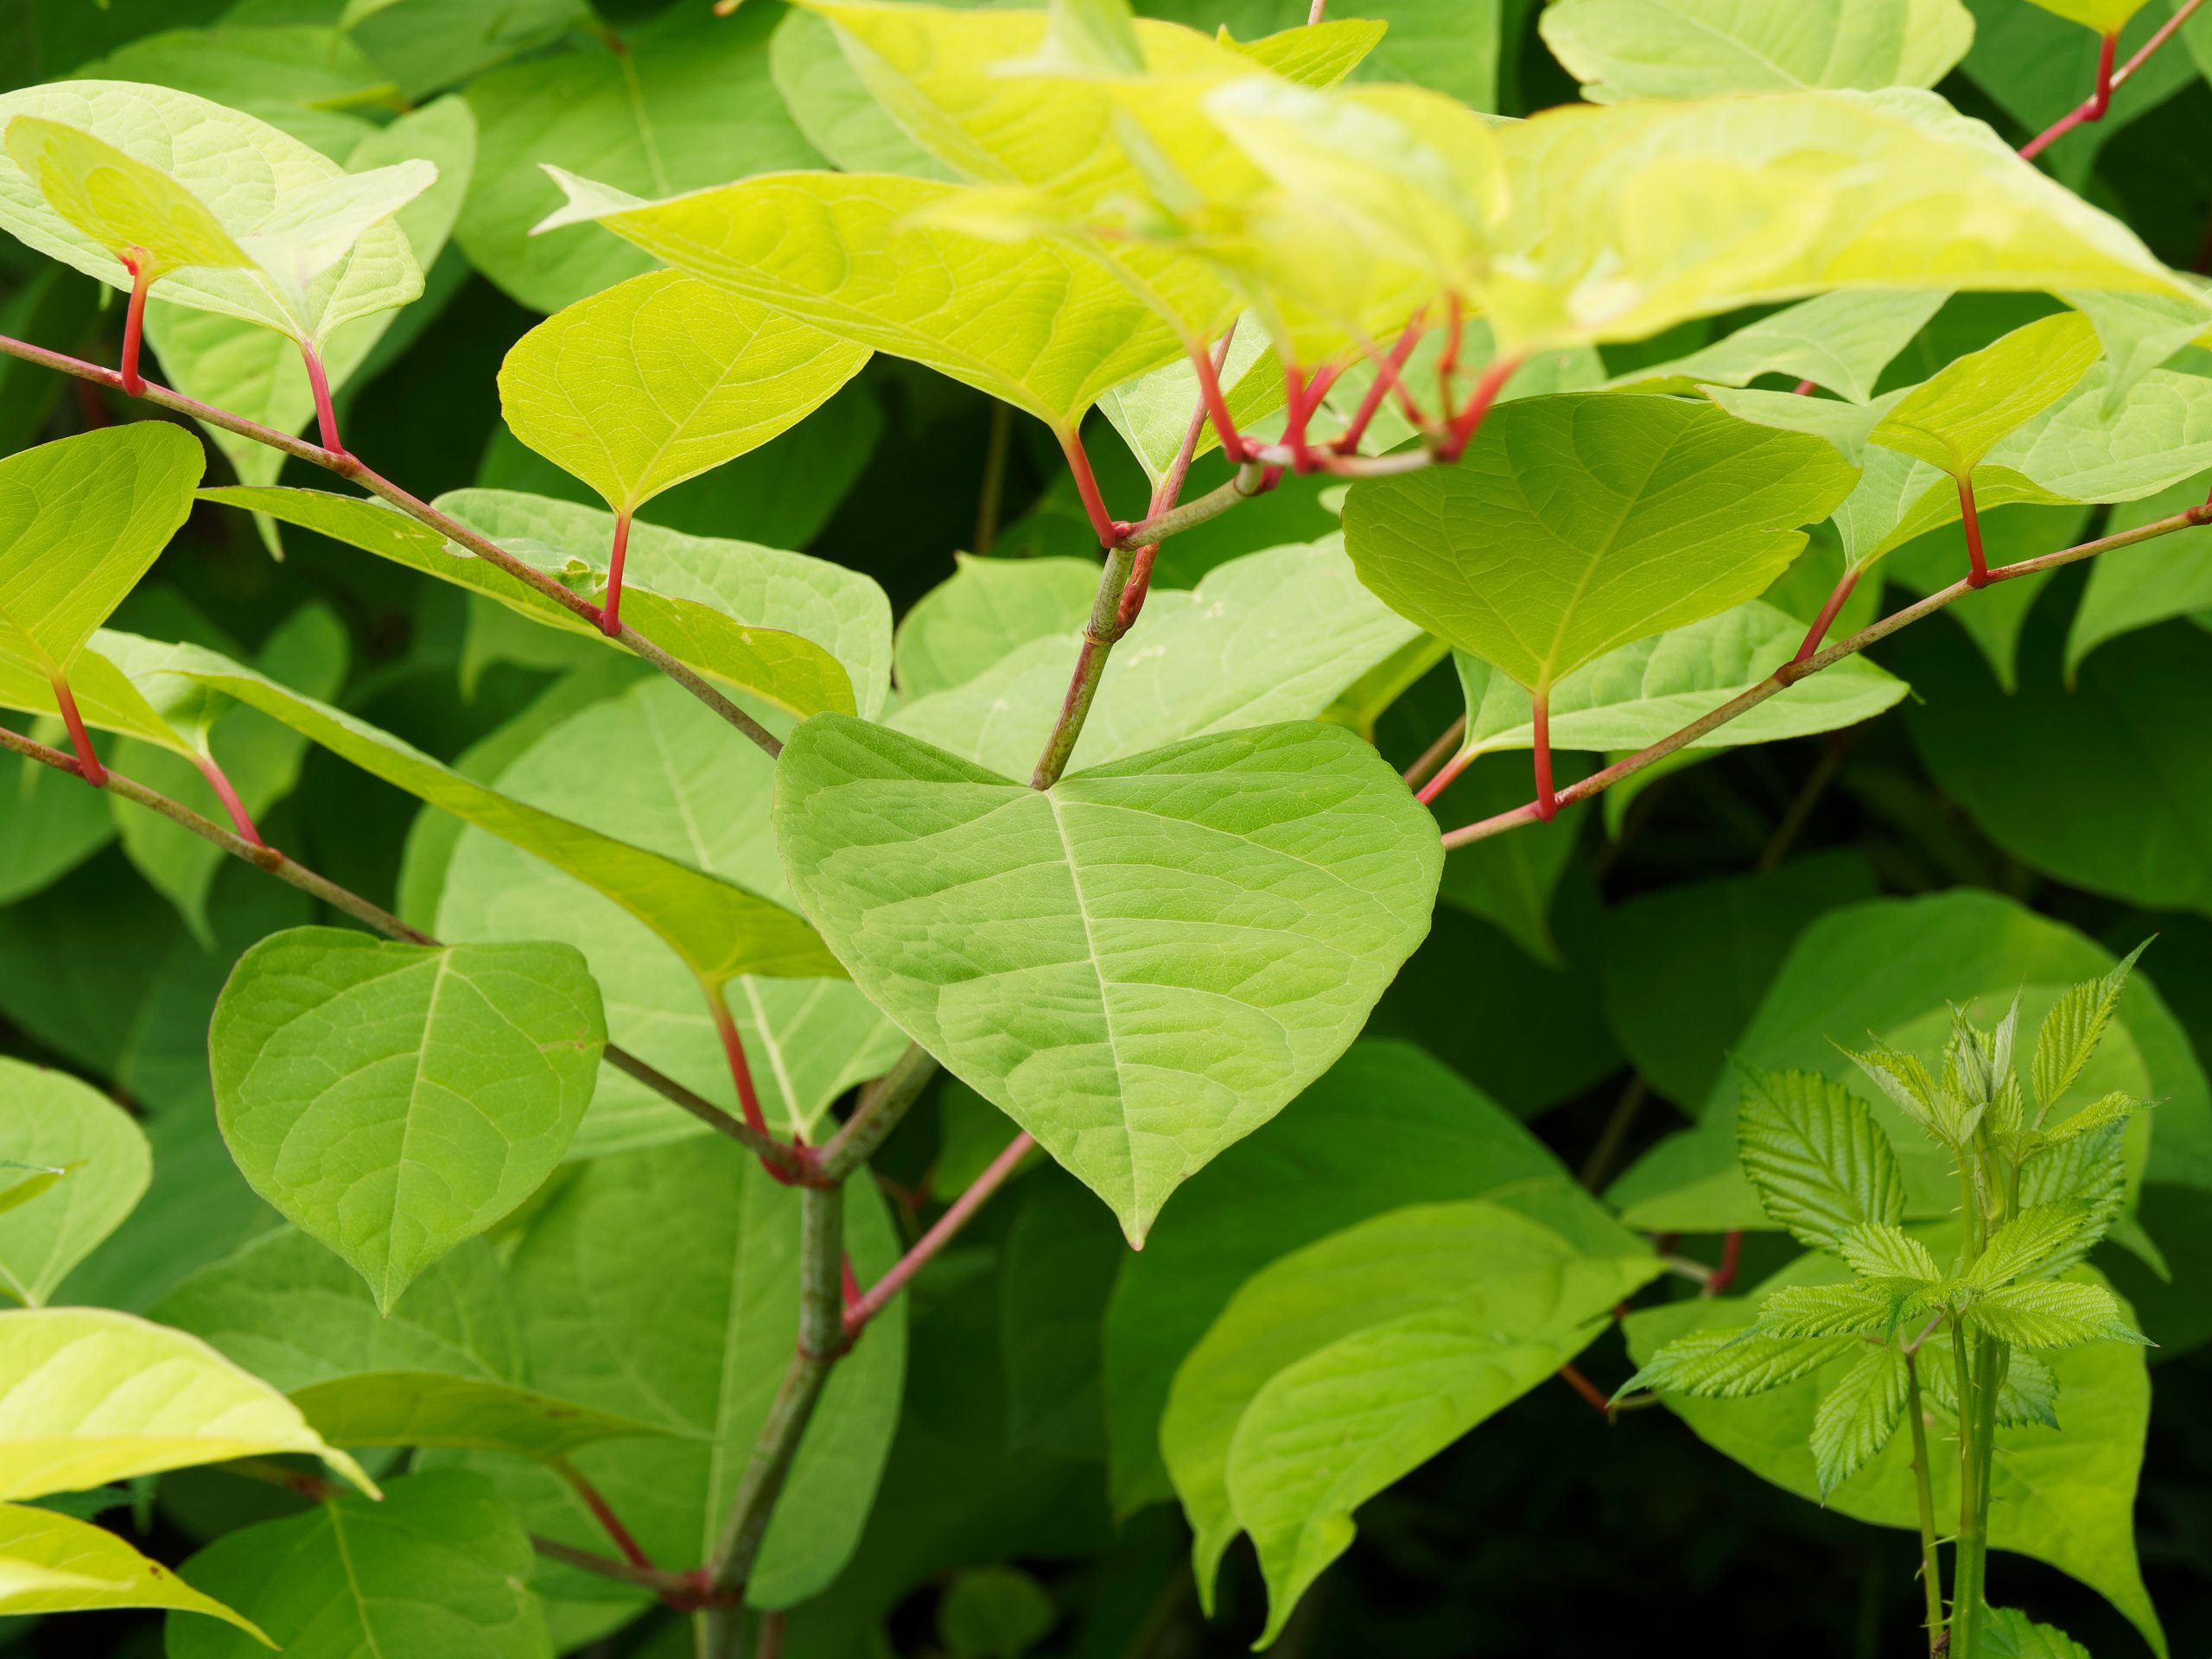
(135, 261)
(1806, 388)
(939, 1234)
(748, 1099)
(2109, 81)
(604, 1512)
(326, 414)
(1110, 529)
(88, 763)
(1732, 1250)
(1977, 565)
(1446, 775)
(1582, 1385)
(218, 781)
(1387, 379)
(1447, 360)
(1826, 619)
(1546, 802)
(610, 614)
(1215, 404)
(1436, 753)
(1469, 419)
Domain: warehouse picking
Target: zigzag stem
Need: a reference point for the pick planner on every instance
(1790, 672)
(350, 467)
(2108, 80)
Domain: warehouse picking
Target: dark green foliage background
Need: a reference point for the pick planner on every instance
(1549, 1532)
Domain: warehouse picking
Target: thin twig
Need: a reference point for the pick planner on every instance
(380, 920)
(1790, 673)
(350, 467)
(939, 1234)
(2108, 80)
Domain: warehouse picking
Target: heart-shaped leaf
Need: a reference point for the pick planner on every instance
(1956, 417)
(661, 379)
(1187, 937)
(395, 1099)
(1579, 524)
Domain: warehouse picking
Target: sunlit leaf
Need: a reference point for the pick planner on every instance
(51, 1563)
(1190, 957)
(1692, 48)
(87, 1396)
(662, 377)
(394, 1099)
(1953, 420)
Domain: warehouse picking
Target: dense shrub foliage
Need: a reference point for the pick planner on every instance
(864, 828)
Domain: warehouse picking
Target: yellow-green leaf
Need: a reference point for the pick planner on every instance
(320, 247)
(2106, 17)
(89, 1396)
(661, 379)
(1044, 327)
(1956, 416)
(53, 1563)
(1693, 48)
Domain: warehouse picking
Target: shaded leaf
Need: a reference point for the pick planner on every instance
(76, 1164)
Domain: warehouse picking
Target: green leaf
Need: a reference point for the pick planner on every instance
(1842, 340)
(834, 109)
(286, 1309)
(1272, 636)
(440, 1569)
(1693, 48)
(88, 1396)
(393, 1100)
(1345, 1364)
(302, 78)
(1736, 1362)
(651, 767)
(1274, 879)
(249, 370)
(1863, 1308)
(95, 167)
(1578, 525)
(87, 1165)
(1821, 1162)
(2029, 1394)
(2091, 743)
(1386, 1126)
(1892, 968)
(1953, 420)
(663, 1287)
(2009, 1634)
(1857, 1415)
(1685, 966)
(995, 1612)
(2077, 451)
(678, 104)
(689, 595)
(2051, 1313)
(83, 518)
(2132, 587)
(1650, 689)
(866, 256)
(51, 1563)
(985, 611)
(2066, 1497)
(428, 45)
(1880, 1250)
(661, 379)
(49, 822)
(1510, 881)
(1684, 209)
(431, 1408)
(2071, 1031)
(2029, 1242)
(718, 929)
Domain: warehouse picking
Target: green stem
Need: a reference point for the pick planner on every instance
(1931, 1568)
(1974, 1512)
(883, 1104)
(821, 1339)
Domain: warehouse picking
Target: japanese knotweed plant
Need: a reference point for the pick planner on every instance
(568, 1214)
(1945, 1345)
